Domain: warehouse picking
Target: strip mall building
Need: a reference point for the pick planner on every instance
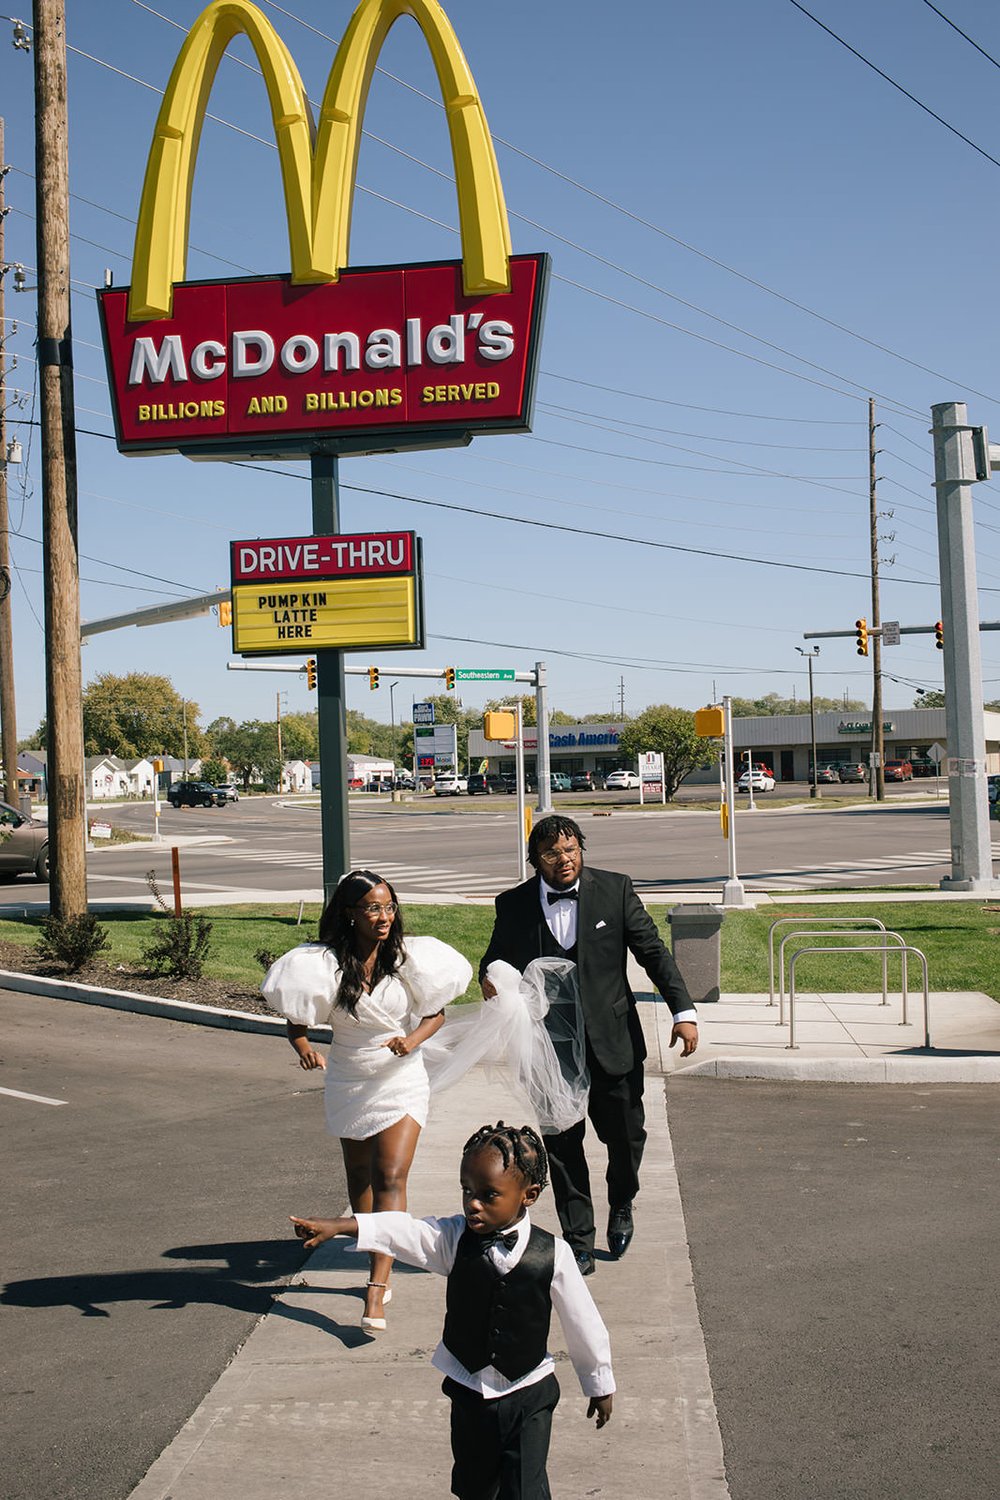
(781, 741)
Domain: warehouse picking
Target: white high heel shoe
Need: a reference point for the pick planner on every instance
(377, 1325)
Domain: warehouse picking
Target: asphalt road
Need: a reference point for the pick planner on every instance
(467, 847)
(145, 1222)
(844, 1241)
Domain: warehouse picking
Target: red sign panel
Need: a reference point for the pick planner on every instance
(382, 357)
(305, 558)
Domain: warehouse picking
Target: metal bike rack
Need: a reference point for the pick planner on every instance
(895, 937)
(792, 1045)
(862, 922)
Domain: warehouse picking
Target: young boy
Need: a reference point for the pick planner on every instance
(504, 1278)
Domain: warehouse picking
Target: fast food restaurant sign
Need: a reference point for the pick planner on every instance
(305, 593)
(380, 358)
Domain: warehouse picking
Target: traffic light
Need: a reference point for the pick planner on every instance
(449, 678)
(939, 634)
(862, 628)
(311, 672)
(225, 612)
(373, 678)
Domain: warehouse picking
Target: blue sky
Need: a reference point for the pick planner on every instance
(739, 212)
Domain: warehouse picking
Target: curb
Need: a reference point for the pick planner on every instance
(930, 1069)
(151, 1005)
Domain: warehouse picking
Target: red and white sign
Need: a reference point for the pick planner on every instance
(259, 365)
(303, 558)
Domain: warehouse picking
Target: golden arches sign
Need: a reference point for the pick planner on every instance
(318, 179)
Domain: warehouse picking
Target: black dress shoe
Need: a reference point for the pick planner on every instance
(620, 1230)
(585, 1261)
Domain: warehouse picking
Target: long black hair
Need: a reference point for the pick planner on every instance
(336, 930)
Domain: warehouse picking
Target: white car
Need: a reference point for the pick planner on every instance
(622, 781)
(450, 786)
(762, 781)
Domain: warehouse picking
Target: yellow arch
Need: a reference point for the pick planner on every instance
(318, 187)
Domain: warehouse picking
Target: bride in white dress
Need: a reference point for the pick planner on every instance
(383, 996)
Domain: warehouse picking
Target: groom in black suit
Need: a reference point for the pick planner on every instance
(595, 918)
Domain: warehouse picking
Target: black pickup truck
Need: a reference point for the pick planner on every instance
(195, 794)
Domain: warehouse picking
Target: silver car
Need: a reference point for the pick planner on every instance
(24, 845)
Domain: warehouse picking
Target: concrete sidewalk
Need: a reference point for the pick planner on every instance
(312, 1404)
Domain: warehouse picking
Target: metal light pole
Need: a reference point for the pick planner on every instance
(814, 790)
(392, 722)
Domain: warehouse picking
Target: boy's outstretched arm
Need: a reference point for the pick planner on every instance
(600, 1407)
(315, 1232)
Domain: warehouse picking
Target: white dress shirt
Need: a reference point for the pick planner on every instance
(560, 918)
(432, 1244)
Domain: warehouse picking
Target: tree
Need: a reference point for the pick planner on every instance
(671, 732)
(139, 714)
(251, 749)
(929, 700)
(300, 736)
(215, 771)
(771, 705)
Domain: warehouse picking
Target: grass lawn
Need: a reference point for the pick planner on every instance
(958, 937)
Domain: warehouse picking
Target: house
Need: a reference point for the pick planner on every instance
(296, 776)
(107, 777)
(141, 775)
(33, 765)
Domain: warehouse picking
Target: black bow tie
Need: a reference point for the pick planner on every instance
(508, 1240)
(554, 896)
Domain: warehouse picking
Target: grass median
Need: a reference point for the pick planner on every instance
(959, 939)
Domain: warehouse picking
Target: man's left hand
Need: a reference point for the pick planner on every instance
(685, 1032)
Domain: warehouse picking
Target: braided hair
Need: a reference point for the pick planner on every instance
(518, 1147)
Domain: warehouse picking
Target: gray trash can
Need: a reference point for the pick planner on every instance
(696, 941)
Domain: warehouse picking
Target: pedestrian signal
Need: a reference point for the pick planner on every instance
(373, 678)
(939, 634)
(311, 672)
(861, 626)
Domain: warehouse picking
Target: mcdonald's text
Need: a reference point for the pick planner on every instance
(275, 364)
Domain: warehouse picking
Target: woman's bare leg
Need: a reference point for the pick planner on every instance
(391, 1157)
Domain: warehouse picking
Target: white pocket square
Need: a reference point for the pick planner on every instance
(600, 924)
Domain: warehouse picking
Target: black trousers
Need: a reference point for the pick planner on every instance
(500, 1447)
(616, 1113)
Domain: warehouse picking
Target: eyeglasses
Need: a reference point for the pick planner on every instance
(553, 856)
(374, 909)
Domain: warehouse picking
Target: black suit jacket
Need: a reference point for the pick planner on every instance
(611, 923)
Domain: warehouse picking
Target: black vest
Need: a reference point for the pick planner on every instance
(551, 947)
(497, 1320)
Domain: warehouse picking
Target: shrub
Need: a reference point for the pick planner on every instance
(265, 958)
(72, 941)
(180, 949)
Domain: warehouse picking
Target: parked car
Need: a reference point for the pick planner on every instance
(559, 782)
(479, 785)
(762, 781)
(585, 781)
(856, 771)
(195, 794)
(993, 788)
(403, 783)
(827, 775)
(924, 767)
(230, 791)
(450, 786)
(24, 845)
(898, 770)
(622, 781)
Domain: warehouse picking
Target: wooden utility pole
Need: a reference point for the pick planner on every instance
(8, 708)
(63, 685)
(878, 739)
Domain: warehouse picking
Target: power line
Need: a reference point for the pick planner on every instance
(963, 34)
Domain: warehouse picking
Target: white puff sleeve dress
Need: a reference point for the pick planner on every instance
(367, 1087)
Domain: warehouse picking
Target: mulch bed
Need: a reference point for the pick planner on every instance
(222, 993)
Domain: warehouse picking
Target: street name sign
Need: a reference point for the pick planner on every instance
(484, 674)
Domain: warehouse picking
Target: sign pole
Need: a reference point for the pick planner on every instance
(330, 695)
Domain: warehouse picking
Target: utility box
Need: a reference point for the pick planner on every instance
(696, 941)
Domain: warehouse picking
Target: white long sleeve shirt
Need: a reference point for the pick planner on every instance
(431, 1245)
